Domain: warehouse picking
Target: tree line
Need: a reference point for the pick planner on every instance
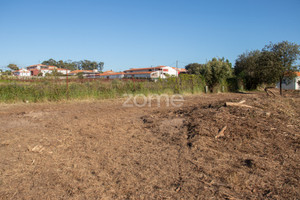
(71, 65)
(275, 63)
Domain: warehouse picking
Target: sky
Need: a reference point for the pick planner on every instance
(141, 33)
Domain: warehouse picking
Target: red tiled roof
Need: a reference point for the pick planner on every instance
(180, 69)
(289, 73)
(132, 73)
(78, 71)
(110, 74)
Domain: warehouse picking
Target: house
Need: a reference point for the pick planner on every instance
(293, 84)
(21, 72)
(87, 73)
(111, 75)
(153, 72)
(37, 69)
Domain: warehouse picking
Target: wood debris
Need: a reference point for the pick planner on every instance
(221, 132)
(240, 104)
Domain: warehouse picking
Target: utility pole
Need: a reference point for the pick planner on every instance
(176, 63)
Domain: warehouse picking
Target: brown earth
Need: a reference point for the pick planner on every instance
(102, 150)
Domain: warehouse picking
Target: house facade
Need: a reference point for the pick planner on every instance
(293, 84)
(35, 70)
(153, 72)
(22, 72)
(111, 75)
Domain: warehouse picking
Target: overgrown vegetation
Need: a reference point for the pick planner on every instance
(275, 63)
(215, 72)
(51, 90)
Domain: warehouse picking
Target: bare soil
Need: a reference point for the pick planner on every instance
(102, 150)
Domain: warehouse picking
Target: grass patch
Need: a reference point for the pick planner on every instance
(12, 91)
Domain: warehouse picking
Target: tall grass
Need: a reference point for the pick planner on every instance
(49, 90)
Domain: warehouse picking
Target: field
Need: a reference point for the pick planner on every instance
(99, 149)
(53, 90)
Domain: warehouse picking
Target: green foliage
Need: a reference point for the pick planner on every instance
(282, 59)
(246, 68)
(13, 67)
(271, 65)
(214, 72)
(80, 75)
(233, 84)
(194, 68)
(73, 65)
(49, 89)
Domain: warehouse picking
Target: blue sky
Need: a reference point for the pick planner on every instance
(141, 33)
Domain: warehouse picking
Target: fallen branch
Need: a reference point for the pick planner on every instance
(221, 132)
(268, 91)
(240, 104)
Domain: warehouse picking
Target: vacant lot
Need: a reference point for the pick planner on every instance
(102, 150)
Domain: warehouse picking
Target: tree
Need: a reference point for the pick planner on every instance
(282, 57)
(100, 66)
(13, 67)
(73, 65)
(80, 75)
(50, 62)
(213, 72)
(246, 68)
(194, 68)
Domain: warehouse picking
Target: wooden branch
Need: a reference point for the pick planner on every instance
(221, 133)
(240, 104)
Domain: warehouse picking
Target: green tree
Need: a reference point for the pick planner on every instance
(100, 66)
(246, 68)
(80, 75)
(281, 58)
(213, 72)
(73, 65)
(194, 68)
(13, 67)
(50, 62)
(216, 71)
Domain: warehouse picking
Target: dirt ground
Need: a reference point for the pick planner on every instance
(102, 150)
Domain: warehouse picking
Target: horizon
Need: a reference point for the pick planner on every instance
(137, 34)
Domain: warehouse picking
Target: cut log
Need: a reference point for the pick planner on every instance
(221, 132)
(243, 101)
(240, 104)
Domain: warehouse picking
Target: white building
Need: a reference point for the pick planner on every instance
(111, 75)
(293, 84)
(153, 72)
(21, 72)
(86, 73)
(35, 70)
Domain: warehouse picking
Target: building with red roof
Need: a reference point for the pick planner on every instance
(293, 84)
